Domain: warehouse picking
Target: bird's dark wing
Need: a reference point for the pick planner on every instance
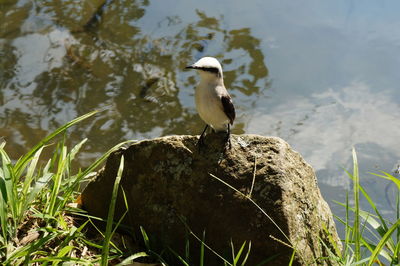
(229, 109)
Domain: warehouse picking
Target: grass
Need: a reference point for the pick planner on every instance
(34, 205)
(369, 237)
(38, 218)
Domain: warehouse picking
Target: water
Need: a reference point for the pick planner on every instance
(321, 75)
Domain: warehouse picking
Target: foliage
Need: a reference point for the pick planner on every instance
(369, 237)
(34, 200)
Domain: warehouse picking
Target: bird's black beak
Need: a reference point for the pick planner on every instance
(190, 67)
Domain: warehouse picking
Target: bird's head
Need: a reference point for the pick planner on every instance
(208, 68)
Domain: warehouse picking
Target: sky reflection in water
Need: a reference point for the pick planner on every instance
(323, 76)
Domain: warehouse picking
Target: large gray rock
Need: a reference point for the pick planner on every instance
(168, 178)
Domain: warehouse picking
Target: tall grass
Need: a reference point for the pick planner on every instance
(369, 237)
(110, 218)
(33, 201)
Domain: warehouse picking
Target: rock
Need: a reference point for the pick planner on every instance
(168, 180)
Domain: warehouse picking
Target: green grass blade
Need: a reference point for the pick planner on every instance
(9, 192)
(7, 177)
(336, 250)
(64, 251)
(3, 199)
(202, 248)
(237, 257)
(292, 258)
(365, 242)
(381, 226)
(398, 213)
(68, 192)
(146, 239)
(369, 219)
(21, 163)
(247, 254)
(371, 203)
(76, 149)
(26, 185)
(57, 180)
(110, 216)
(361, 262)
(347, 227)
(372, 247)
(129, 260)
(71, 155)
(124, 214)
(397, 253)
(24, 251)
(55, 260)
(389, 177)
(233, 252)
(39, 185)
(32, 166)
(332, 254)
(202, 242)
(397, 249)
(30, 172)
(383, 242)
(185, 263)
(356, 191)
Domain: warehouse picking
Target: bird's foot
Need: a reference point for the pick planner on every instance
(228, 143)
(201, 143)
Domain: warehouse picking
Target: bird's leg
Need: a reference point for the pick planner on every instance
(228, 137)
(201, 139)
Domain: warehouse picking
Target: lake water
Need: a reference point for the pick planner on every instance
(322, 75)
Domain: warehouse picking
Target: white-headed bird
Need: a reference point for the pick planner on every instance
(213, 102)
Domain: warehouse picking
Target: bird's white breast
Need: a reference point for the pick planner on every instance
(209, 106)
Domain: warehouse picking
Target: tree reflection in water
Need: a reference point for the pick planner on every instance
(65, 58)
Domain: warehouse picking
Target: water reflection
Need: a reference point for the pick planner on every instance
(324, 127)
(333, 67)
(357, 115)
(66, 58)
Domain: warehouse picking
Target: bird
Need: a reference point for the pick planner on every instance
(213, 102)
